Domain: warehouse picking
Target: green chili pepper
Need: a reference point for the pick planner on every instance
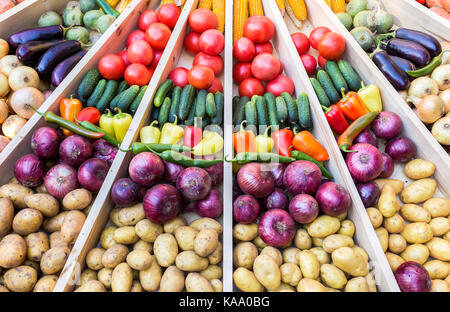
(186, 161)
(139, 147)
(302, 156)
(248, 157)
(435, 62)
(90, 126)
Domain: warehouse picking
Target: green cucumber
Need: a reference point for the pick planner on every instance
(272, 109)
(282, 112)
(97, 94)
(251, 114)
(128, 97)
(176, 96)
(115, 100)
(89, 83)
(211, 110)
(328, 87)
(155, 113)
(304, 113)
(219, 101)
(291, 108)
(191, 117)
(123, 85)
(335, 74)
(206, 122)
(350, 75)
(186, 101)
(162, 92)
(164, 112)
(108, 95)
(320, 92)
(134, 106)
(239, 110)
(200, 104)
(261, 108)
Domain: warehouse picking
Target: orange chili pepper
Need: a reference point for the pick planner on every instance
(306, 143)
(244, 141)
(352, 105)
(67, 109)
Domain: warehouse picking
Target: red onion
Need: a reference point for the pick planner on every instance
(412, 277)
(236, 190)
(45, 142)
(162, 203)
(333, 199)
(253, 180)
(60, 180)
(216, 173)
(125, 192)
(146, 169)
(104, 151)
(388, 166)
(302, 176)
(369, 193)
(30, 170)
(172, 171)
(276, 227)
(194, 183)
(387, 125)
(401, 149)
(366, 136)
(211, 206)
(277, 170)
(276, 200)
(191, 207)
(74, 150)
(246, 209)
(366, 163)
(304, 208)
(92, 174)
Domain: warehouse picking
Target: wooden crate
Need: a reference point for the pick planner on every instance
(21, 6)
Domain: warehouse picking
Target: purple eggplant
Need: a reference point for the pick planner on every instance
(30, 52)
(35, 34)
(409, 50)
(398, 78)
(56, 55)
(428, 42)
(63, 69)
(403, 64)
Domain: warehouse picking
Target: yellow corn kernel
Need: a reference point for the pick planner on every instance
(205, 4)
(298, 8)
(112, 3)
(240, 15)
(255, 7)
(280, 4)
(123, 5)
(328, 2)
(218, 8)
(338, 6)
(166, 1)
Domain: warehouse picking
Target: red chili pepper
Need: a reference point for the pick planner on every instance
(192, 136)
(352, 105)
(283, 141)
(336, 118)
(90, 114)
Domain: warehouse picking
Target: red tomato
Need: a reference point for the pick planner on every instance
(251, 86)
(137, 74)
(191, 43)
(201, 77)
(147, 18)
(124, 57)
(244, 50)
(242, 71)
(202, 19)
(309, 62)
(140, 52)
(279, 85)
(151, 70)
(301, 42)
(211, 42)
(156, 57)
(317, 34)
(111, 67)
(168, 14)
(265, 47)
(322, 61)
(215, 62)
(135, 35)
(157, 35)
(331, 46)
(179, 76)
(266, 67)
(216, 86)
(259, 29)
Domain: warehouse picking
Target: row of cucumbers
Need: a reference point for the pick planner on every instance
(175, 104)
(334, 81)
(94, 91)
(279, 112)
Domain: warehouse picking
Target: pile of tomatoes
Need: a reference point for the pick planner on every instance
(144, 47)
(205, 43)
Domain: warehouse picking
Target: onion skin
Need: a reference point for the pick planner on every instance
(194, 183)
(255, 181)
(45, 142)
(172, 171)
(276, 200)
(60, 180)
(162, 203)
(74, 150)
(302, 176)
(412, 277)
(276, 227)
(146, 169)
(304, 208)
(104, 151)
(216, 173)
(125, 192)
(401, 149)
(334, 200)
(211, 206)
(387, 125)
(92, 174)
(366, 136)
(277, 170)
(366, 163)
(246, 209)
(369, 193)
(388, 166)
(30, 170)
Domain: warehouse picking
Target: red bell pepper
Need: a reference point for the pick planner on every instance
(192, 136)
(352, 105)
(336, 118)
(90, 114)
(283, 141)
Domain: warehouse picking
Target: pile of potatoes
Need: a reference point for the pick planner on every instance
(37, 232)
(417, 228)
(137, 255)
(321, 258)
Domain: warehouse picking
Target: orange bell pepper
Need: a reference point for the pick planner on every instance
(244, 141)
(352, 105)
(67, 110)
(306, 143)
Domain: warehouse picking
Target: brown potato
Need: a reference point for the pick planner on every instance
(94, 258)
(172, 225)
(290, 255)
(357, 284)
(415, 213)
(396, 184)
(15, 193)
(172, 280)
(246, 281)
(189, 261)
(259, 243)
(387, 203)
(21, 279)
(72, 225)
(335, 241)
(114, 255)
(216, 256)
(309, 264)
(136, 287)
(122, 278)
(347, 228)
(105, 276)
(396, 243)
(290, 274)
(131, 215)
(394, 224)
(207, 223)
(56, 239)
(37, 244)
(87, 275)
(6, 216)
(54, 259)
(185, 236)
(217, 285)
(417, 233)
(332, 276)
(416, 252)
(419, 191)
(375, 216)
(212, 272)
(114, 217)
(148, 231)
(438, 207)
(439, 286)
(106, 238)
(274, 253)
(13, 251)
(143, 245)
(197, 283)
(440, 226)
(245, 232)
(437, 269)
(139, 260)
(45, 203)
(302, 240)
(244, 254)
(419, 169)
(54, 224)
(383, 237)
(310, 285)
(27, 221)
(394, 260)
(165, 249)
(350, 261)
(46, 283)
(321, 255)
(77, 199)
(439, 249)
(151, 278)
(323, 226)
(125, 235)
(91, 286)
(206, 242)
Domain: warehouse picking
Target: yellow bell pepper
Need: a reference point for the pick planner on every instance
(171, 133)
(150, 134)
(106, 122)
(264, 143)
(212, 143)
(121, 123)
(371, 97)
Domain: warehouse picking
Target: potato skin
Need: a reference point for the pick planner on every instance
(172, 225)
(27, 221)
(72, 225)
(323, 226)
(54, 224)
(309, 264)
(37, 245)
(185, 236)
(267, 272)
(418, 191)
(437, 269)
(396, 243)
(172, 280)
(56, 239)
(335, 241)
(114, 255)
(438, 207)
(131, 215)
(94, 258)
(350, 261)
(54, 259)
(13, 251)
(106, 238)
(302, 240)
(206, 242)
(77, 199)
(125, 235)
(216, 256)
(91, 286)
(151, 278)
(122, 278)
(87, 275)
(6, 216)
(321, 255)
(417, 169)
(387, 203)
(357, 284)
(274, 253)
(45, 203)
(148, 231)
(46, 283)
(415, 213)
(189, 261)
(217, 285)
(439, 249)
(310, 285)
(332, 276)
(207, 223)
(290, 274)
(139, 260)
(375, 216)
(197, 283)
(21, 279)
(165, 249)
(212, 272)
(245, 232)
(394, 260)
(417, 233)
(416, 252)
(290, 255)
(244, 254)
(105, 276)
(15, 193)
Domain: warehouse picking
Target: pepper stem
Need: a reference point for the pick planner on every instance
(232, 160)
(344, 148)
(363, 85)
(326, 109)
(266, 133)
(36, 111)
(176, 119)
(242, 129)
(153, 122)
(109, 113)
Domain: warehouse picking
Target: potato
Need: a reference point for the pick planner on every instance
(387, 203)
(419, 169)
(206, 242)
(165, 249)
(439, 226)
(259, 243)
(439, 249)
(309, 264)
(274, 253)
(212, 272)
(54, 224)
(41, 189)
(6, 216)
(302, 240)
(357, 284)
(125, 235)
(143, 245)
(216, 256)
(16, 193)
(321, 255)
(394, 224)
(106, 238)
(122, 278)
(27, 221)
(244, 254)
(185, 236)
(150, 279)
(105, 276)
(375, 216)
(21, 279)
(290, 274)
(350, 261)
(335, 241)
(139, 260)
(246, 281)
(396, 243)
(417, 233)
(290, 255)
(56, 239)
(54, 259)
(394, 260)
(94, 258)
(114, 217)
(416, 252)
(207, 223)
(197, 283)
(46, 283)
(438, 207)
(267, 272)
(114, 255)
(77, 199)
(439, 286)
(332, 276)
(217, 285)
(87, 275)
(323, 226)
(147, 230)
(91, 286)
(172, 225)
(189, 261)
(418, 191)
(284, 288)
(437, 269)
(371, 283)
(37, 245)
(310, 285)
(397, 185)
(361, 252)
(317, 242)
(172, 280)
(72, 225)
(347, 228)
(13, 251)
(45, 203)
(245, 232)
(131, 215)
(35, 265)
(415, 213)
(383, 238)
(136, 287)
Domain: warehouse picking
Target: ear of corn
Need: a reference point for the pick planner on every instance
(123, 5)
(240, 14)
(280, 4)
(167, 1)
(298, 8)
(328, 2)
(218, 8)
(179, 3)
(205, 4)
(290, 12)
(255, 7)
(112, 3)
(338, 6)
